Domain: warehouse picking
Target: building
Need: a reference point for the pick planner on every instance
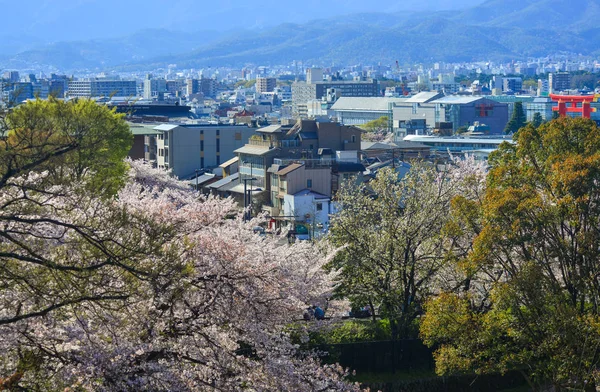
(265, 85)
(417, 107)
(460, 145)
(141, 147)
(512, 84)
(461, 111)
(559, 81)
(309, 143)
(154, 88)
(206, 86)
(184, 148)
(101, 88)
(303, 92)
(541, 105)
(360, 110)
(11, 76)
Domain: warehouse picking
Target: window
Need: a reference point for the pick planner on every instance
(353, 138)
(319, 206)
(218, 145)
(202, 162)
(309, 183)
(218, 132)
(201, 145)
(238, 136)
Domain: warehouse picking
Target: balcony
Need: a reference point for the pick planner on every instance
(275, 143)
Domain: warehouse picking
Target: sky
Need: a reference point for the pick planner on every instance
(67, 20)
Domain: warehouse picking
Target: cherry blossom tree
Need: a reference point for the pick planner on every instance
(396, 251)
(151, 288)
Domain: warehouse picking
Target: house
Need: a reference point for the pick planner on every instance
(309, 211)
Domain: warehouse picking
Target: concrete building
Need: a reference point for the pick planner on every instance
(360, 110)
(455, 144)
(206, 86)
(154, 88)
(512, 84)
(541, 105)
(303, 92)
(559, 81)
(460, 111)
(265, 85)
(184, 148)
(101, 88)
(314, 75)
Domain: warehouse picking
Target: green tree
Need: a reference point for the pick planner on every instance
(533, 299)
(376, 129)
(380, 125)
(537, 120)
(518, 119)
(392, 246)
(55, 135)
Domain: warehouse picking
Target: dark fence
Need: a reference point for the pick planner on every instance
(404, 357)
(466, 383)
(380, 357)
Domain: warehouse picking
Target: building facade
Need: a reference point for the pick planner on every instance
(183, 149)
(303, 92)
(101, 88)
(265, 85)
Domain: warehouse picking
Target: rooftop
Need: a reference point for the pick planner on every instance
(270, 129)
(424, 97)
(224, 181)
(289, 168)
(229, 162)
(253, 150)
(308, 192)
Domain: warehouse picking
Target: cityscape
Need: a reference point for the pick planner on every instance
(341, 197)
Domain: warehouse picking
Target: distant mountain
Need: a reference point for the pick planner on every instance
(534, 14)
(105, 53)
(67, 20)
(492, 30)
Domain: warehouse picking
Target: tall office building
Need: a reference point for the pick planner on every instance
(102, 88)
(559, 81)
(265, 85)
(154, 87)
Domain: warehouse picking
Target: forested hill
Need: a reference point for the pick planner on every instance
(494, 30)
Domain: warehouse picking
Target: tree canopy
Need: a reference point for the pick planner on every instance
(391, 230)
(143, 284)
(533, 299)
(517, 120)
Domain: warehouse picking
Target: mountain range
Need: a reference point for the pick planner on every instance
(481, 30)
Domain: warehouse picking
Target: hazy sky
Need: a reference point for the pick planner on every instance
(52, 20)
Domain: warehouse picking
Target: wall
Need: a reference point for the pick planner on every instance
(192, 148)
(497, 120)
(321, 180)
(300, 206)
